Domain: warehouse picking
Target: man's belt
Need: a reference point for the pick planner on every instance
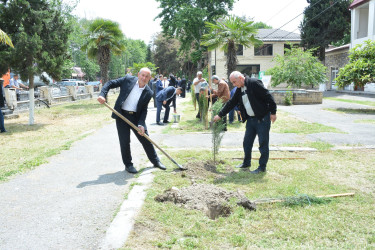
(129, 112)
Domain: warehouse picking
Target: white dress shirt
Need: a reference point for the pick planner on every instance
(246, 102)
(131, 101)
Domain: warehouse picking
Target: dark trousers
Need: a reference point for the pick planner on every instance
(2, 127)
(123, 130)
(2, 104)
(254, 127)
(167, 107)
(231, 116)
(199, 107)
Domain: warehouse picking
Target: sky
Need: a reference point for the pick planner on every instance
(136, 17)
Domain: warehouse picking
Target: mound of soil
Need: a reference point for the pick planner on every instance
(203, 170)
(208, 198)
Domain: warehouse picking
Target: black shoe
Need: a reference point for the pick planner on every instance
(131, 169)
(4, 131)
(198, 116)
(258, 171)
(242, 166)
(166, 121)
(160, 123)
(160, 165)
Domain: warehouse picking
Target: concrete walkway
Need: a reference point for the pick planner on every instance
(71, 202)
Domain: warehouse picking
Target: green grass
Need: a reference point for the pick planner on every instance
(285, 123)
(311, 223)
(369, 103)
(55, 130)
(368, 121)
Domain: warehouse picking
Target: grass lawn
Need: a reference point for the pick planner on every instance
(55, 129)
(346, 222)
(369, 103)
(285, 123)
(368, 121)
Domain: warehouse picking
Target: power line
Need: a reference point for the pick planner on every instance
(289, 21)
(313, 17)
(280, 11)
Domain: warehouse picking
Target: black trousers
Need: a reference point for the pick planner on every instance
(123, 130)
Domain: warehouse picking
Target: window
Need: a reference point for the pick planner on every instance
(263, 50)
(334, 74)
(250, 70)
(239, 50)
(287, 46)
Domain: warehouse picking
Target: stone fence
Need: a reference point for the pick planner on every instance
(300, 96)
(45, 95)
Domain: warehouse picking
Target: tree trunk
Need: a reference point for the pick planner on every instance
(231, 62)
(31, 99)
(104, 57)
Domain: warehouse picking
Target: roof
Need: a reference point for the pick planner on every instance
(335, 49)
(277, 35)
(357, 3)
(79, 72)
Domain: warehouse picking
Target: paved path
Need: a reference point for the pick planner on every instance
(70, 202)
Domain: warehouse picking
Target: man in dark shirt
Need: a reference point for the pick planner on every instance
(258, 107)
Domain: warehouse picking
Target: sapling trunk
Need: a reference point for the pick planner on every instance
(217, 129)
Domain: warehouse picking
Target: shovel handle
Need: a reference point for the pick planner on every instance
(138, 130)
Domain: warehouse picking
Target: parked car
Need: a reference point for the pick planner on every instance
(80, 85)
(95, 84)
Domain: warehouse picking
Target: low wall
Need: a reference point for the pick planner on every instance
(300, 96)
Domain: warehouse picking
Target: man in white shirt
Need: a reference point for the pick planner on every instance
(198, 82)
(132, 102)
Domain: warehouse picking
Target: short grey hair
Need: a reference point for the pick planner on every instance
(145, 69)
(215, 77)
(236, 74)
(199, 73)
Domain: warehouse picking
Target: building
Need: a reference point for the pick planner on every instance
(362, 21)
(253, 60)
(335, 58)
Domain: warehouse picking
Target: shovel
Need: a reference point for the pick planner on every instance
(145, 136)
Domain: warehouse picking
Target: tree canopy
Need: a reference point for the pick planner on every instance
(227, 34)
(39, 30)
(185, 19)
(104, 37)
(325, 22)
(361, 67)
(297, 68)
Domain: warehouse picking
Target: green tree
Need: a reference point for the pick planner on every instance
(138, 66)
(4, 38)
(184, 19)
(227, 34)
(39, 30)
(296, 68)
(325, 22)
(261, 25)
(104, 37)
(166, 54)
(361, 67)
(78, 57)
(136, 52)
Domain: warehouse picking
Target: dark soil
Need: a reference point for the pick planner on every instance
(209, 198)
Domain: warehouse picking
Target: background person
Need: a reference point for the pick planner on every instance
(2, 126)
(198, 81)
(258, 107)
(15, 83)
(164, 99)
(132, 103)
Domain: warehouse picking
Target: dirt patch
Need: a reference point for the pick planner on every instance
(203, 170)
(211, 199)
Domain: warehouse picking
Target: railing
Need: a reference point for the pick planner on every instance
(49, 95)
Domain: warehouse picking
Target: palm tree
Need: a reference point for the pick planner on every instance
(227, 34)
(4, 38)
(104, 37)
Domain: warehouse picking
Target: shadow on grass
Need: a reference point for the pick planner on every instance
(84, 106)
(366, 111)
(119, 178)
(16, 128)
(243, 177)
